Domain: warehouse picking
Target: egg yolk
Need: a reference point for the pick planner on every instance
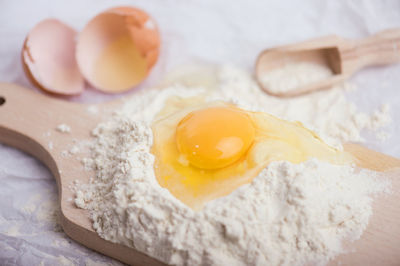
(214, 138)
(203, 152)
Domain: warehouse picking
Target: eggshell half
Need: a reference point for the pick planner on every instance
(48, 57)
(117, 49)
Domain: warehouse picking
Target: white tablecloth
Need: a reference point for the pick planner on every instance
(192, 31)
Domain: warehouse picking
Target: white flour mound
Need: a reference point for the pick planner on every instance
(289, 215)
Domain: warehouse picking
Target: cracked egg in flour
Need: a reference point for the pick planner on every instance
(204, 151)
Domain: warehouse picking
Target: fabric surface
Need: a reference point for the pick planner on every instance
(192, 31)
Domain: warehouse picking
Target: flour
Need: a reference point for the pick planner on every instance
(13, 231)
(93, 109)
(64, 261)
(75, 149)
(289, 215)
(293, 76)
(63, 128)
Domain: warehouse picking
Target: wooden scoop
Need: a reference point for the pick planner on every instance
(343, 57)
(28, 121)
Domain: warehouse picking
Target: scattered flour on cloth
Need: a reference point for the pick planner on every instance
(288, 215)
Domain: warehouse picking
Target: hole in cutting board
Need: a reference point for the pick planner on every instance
(2, 100)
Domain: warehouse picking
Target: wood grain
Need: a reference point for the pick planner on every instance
(27, 117)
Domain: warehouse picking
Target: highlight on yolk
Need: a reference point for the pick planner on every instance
(214, 138)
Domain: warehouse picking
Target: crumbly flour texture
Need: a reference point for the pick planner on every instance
(289, 215)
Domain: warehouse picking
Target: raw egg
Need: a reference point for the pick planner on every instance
(117, 49)
(206, 151)
(48, 57)
(214, 137)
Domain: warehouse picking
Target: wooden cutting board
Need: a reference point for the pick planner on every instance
(28, 121)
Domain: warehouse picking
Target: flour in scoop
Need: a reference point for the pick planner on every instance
(293, 76)
(290, 214)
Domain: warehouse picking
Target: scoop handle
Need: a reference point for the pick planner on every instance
(379, 49)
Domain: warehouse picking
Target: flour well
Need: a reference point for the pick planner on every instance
(289, 215)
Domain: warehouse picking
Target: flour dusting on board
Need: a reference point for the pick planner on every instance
(63, 128)
(290, 214)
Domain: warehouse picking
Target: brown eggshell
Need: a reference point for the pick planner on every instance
(48, 58)
(107, 27)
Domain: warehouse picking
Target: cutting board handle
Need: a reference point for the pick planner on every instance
(28, 120)
(25, 113)
(21, 116)
(25, 116)
(379, 49)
